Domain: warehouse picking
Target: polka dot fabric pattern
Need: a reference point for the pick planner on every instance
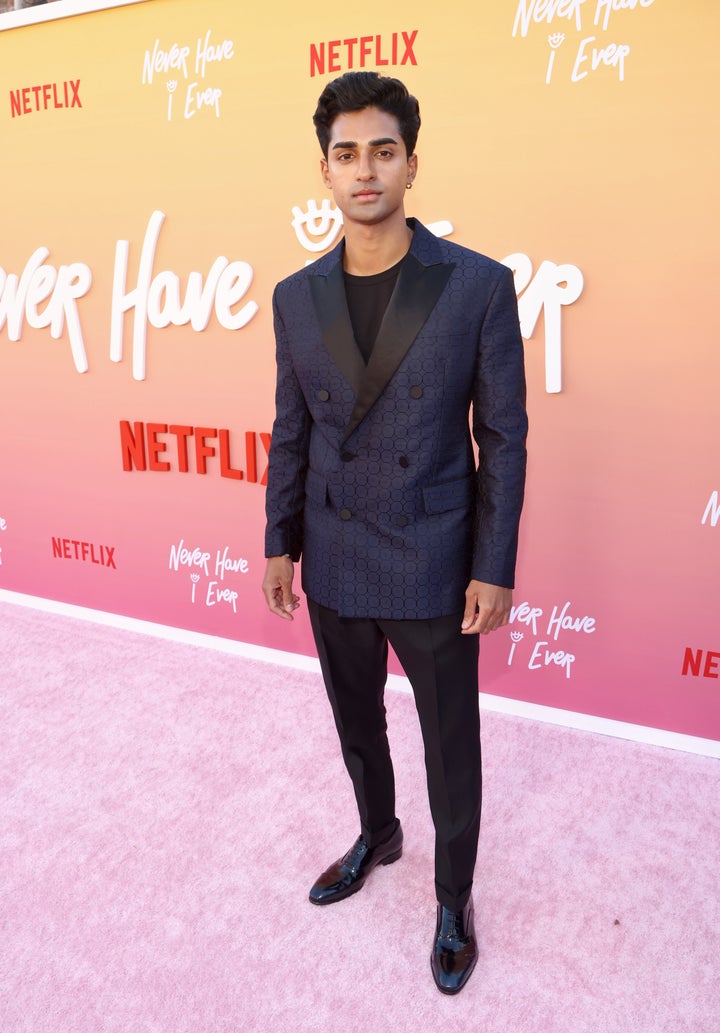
(372, 476)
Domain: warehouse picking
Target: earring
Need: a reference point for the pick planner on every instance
(409, 185)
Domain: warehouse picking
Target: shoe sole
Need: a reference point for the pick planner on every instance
(356, 886)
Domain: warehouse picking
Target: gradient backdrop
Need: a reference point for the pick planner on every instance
(578, 146)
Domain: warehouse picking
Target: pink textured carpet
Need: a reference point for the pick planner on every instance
(165, 809)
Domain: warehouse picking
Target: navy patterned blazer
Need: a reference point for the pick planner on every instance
(372, 476)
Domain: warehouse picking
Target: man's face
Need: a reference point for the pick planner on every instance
(367, 166)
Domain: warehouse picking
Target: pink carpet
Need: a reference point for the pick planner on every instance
(165, 809)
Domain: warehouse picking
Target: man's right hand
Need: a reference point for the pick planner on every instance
(277, 587)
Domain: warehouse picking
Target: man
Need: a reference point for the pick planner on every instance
(383, 347)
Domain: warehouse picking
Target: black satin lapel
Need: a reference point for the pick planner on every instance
(416, 294)
(328, 295)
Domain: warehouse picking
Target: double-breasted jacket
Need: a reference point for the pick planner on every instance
(373, 479)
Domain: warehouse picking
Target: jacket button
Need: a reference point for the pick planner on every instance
(404, 462)
(416, 391)
(345, 514)
(347, 457)
(323, 396)
(401, 521)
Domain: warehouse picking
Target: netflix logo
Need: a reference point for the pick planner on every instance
(24, 101)
(699, 663)
(164, 447)
(86, 552)
(342, 55)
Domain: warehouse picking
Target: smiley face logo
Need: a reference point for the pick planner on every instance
(317, 228)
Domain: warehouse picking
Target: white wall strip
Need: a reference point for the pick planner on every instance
(499, 704)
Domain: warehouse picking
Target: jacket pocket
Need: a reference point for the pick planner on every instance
(439, 498)
(316, 487)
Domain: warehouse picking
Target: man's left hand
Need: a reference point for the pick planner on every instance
(487, 608)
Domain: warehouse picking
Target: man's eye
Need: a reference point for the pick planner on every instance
(344, 157)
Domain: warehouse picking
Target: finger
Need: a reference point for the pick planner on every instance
(276, 602)
(280, 611)
(289, 601)
(486, 620)
(471, 613)
(493, 620)
(472, 626)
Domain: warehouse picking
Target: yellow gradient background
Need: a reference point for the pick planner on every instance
(618, 178)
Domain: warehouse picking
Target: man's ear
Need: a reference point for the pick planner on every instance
(412, 167)
(325, 172)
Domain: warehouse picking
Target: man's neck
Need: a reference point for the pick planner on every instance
(373, 249)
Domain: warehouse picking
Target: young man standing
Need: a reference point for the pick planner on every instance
(384, 346)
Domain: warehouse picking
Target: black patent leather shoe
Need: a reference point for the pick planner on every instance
(348, 875)
(455, 950)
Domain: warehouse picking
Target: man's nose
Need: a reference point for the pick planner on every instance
(365, 168)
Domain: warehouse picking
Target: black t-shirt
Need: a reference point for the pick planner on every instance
(367, 299)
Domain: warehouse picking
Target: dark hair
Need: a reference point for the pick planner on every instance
(355, 91)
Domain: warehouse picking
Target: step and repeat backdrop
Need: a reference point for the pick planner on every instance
(161, 174)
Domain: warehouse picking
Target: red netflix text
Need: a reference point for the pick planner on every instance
(86, 552)
(165, 447)
(340, 55)
(700, 663)
(47, 95)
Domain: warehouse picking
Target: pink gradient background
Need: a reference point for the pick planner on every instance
(617, 178)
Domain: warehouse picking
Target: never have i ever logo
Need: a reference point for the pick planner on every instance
(550, 639)
(586, 38)
(211, 581)
(185, 74)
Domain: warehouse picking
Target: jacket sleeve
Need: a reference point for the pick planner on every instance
(287, 468)
(499, 423)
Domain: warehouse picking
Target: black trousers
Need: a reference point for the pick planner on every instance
(442, 667)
